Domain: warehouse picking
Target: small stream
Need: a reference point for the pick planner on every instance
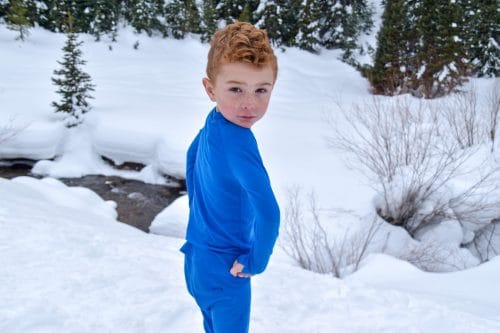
(138, 203)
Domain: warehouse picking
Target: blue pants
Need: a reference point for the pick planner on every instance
(224, 300)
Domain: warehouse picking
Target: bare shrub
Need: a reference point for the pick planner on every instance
(465, 117)
(486, 243)
(411, 162)
(433, 257)
(469, 121)
(400, 151)
(371, 132)
(493, 107)
(306, 240)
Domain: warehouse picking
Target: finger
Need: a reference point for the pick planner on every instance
(244, 275)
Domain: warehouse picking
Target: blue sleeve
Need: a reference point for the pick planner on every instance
(191, 159)
(249, 171)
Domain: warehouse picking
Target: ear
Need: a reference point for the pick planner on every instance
(209, 88)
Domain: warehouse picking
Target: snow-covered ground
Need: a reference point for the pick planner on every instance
(66, 265)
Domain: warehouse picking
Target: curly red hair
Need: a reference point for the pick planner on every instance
(240, 42)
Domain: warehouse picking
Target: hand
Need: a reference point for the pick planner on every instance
(237, 269)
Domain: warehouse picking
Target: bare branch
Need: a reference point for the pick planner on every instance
(433, 257)
(493, 106)
(307, 241)
(465, 118)
(412, 159)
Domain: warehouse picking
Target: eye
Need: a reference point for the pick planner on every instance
(235, 90)
(261, 91)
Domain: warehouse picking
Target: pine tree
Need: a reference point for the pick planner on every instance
(236, 10)
(175, 18)
(144, 15)
(271, 22)
(412, 42)
(488, 49)
(332, 12)
(82, 14)
(342, 22)
(103, 17)
(4, 5)
(39, 13)
(193, 17)
(74, 85)
(481, 35)
(440, 53)
(56, 14)
(280, 19)
(209, 20)
(355, 19)
(17, 18)
(246, 14)
(391, 60)
(182, 17)
(289, 11)
(420, 48)
(308, 35)
(89, 16)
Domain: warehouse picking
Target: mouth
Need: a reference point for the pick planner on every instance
(247, 121)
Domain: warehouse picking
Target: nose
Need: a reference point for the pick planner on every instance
(247, 101)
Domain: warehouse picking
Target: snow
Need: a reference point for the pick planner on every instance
(68, 266)
(172, 221)
(40, 139)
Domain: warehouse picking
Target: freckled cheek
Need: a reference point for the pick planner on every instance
(231, 103)
(262, 103)
(232, 100)
(228, 108)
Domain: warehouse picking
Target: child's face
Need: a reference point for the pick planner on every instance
(242, 92)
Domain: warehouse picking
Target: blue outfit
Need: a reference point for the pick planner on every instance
(233, 216)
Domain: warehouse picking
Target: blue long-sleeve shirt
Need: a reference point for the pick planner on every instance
(232, 205)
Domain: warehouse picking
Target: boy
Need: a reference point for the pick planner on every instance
(234, 217)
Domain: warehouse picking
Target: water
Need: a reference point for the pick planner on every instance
(138, 203)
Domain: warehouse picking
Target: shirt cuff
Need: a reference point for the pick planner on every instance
(243, 259)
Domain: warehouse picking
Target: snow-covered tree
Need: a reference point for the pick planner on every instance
(39, 12)
(281, 20)
(56, 14)
(237, 10)
(246, 14)
(3, 7)
(209, 20)
(193, 17)
(74, 85)
(104, 16)
(356, 20)
(145, 15)
(341, 22)
(18, 18)
(175, 18)
(389, 71)
(481, 35)
(441, 55)
(290, 26)
(331, 28)
(420, 48)
(270, 20)
(182, 17)
(308, 35)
